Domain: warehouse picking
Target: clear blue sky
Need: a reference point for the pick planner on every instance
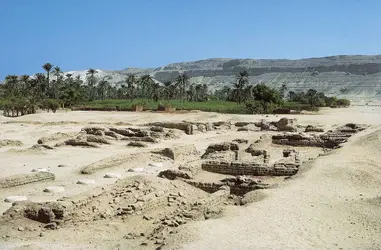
(116, 34)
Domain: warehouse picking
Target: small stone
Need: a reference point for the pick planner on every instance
(86, 182)
(156, 164)
(40, 170)
(113, 175)
(20, 228)
(128, 237)
(54, 189)
(147, 217)
(144, 244)
(51, 226)
(142, 234)
(136, 170)
(41, 234)
(12, 199)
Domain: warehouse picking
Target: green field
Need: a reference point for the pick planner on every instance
(209, 106)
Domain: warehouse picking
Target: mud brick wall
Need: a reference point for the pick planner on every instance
(222, 156)
(215, 187)
(285, 169)
(297, 140)
(257, 169)
(185, 126)
(327, 140)
(236, 168)
(206, 186)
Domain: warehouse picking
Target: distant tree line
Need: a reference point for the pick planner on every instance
(20, 95)
(261, 98)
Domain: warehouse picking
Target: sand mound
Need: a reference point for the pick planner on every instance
(370, 141)
(22, 179)
(54, 137)
(10, 143)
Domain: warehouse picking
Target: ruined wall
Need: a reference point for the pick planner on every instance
(219, 196)
(211, 187)
(244, 168)
(23, 179)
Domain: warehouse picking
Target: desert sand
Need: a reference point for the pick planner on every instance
(325, 198)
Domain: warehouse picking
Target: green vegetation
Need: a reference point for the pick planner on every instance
(124, 105)
(25, 94)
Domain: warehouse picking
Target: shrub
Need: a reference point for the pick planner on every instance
(50, 104)
(260, 107)
(343, 103)
(15, 107)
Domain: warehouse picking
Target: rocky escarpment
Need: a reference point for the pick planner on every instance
(349, 76)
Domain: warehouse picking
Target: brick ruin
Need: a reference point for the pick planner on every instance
(330, 139)
(179, 194)
(251, 168)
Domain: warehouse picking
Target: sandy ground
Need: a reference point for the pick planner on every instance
(332, 203)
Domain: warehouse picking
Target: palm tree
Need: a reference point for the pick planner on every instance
(91, 80)
(57, 72)
(103, 88)
(204, 92)
(242, 80)
(156, 91)
(24, 79)
(131, 81)
(41, 84)
(11, 85)
(182, 81)
(168, 89)
(48, 68)
(146, 82)
(191, 93)
(198, 93)
(55, 85)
